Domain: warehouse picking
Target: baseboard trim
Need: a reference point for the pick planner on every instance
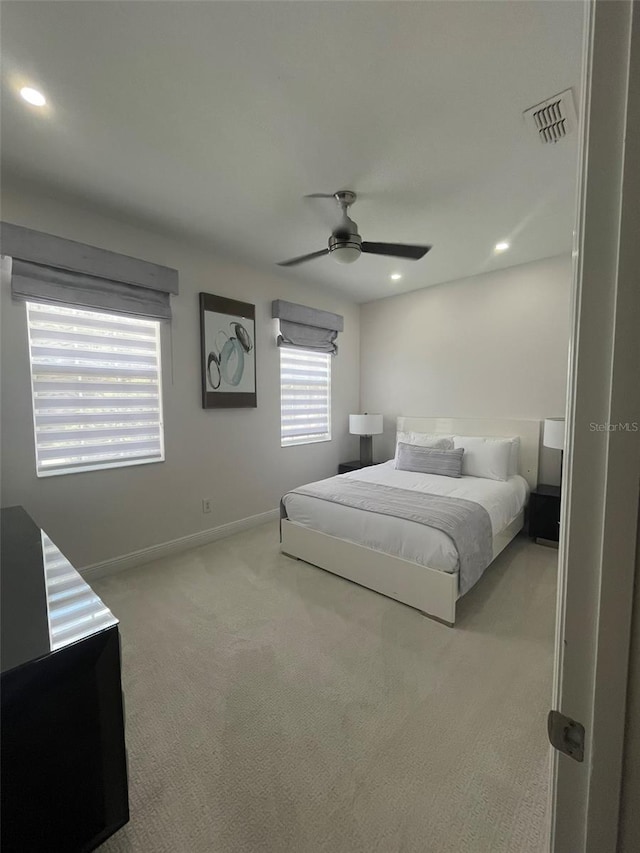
(176, 546)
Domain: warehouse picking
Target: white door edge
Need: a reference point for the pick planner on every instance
(602, 468)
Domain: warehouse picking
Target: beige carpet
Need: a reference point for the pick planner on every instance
(275, 708)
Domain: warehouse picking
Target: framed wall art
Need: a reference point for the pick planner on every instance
(228, 353)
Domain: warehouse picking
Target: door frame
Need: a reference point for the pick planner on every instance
(601, 464)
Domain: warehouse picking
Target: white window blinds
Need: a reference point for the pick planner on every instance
(305, 396)
(97, 390)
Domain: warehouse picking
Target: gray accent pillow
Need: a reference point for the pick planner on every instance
(429, 460)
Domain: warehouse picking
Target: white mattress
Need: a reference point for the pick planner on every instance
(408, 539)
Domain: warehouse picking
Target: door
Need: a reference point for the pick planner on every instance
(602, 459)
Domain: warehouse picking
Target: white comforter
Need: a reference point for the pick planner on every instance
(398, 537)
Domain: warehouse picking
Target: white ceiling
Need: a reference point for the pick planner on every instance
(215, 119)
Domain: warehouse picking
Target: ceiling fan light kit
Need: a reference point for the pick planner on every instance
(344, 252)
(346, 245)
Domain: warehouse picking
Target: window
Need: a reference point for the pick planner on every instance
(97, 389)
(305, 396)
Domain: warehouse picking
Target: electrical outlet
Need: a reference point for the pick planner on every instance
(206, 505)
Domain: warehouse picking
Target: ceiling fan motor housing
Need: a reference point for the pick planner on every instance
(345, 247)
(345, 242)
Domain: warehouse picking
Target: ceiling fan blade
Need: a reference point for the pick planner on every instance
(301, 259)
(396, 250)
(320, 195)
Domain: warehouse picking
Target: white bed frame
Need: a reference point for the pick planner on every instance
(429, 590)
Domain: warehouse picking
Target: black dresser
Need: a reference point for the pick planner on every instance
(64, 765)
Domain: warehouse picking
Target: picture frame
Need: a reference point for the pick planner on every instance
(227, 353)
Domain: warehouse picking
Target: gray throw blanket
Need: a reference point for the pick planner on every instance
(466, 523)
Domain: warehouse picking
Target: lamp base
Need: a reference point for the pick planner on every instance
(366, 450)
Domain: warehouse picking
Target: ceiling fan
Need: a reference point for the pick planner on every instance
(346, 245)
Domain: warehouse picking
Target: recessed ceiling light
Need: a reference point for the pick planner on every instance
(32, 96)
(501, 247)
(396, 276)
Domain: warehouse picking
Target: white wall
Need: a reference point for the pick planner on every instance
(494, 345)
(231, 456)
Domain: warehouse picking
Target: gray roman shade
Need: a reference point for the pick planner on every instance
(51, 269)
(306, 328)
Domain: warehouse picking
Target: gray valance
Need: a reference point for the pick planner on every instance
(307, 328)
(39, 283)
(51, 269)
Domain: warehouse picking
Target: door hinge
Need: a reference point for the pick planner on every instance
(566, 735)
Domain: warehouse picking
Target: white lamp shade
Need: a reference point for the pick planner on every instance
(365, 424)
(553, 435)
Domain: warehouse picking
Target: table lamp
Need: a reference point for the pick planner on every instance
(365, 426)
(553, 436)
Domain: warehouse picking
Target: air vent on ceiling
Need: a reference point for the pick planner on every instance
(553, 119)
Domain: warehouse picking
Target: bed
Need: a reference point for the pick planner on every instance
(396, 556)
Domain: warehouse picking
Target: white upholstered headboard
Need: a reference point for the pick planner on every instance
(529, 432)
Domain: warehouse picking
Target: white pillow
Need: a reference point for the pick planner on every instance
(425, 439)
(431, 439)
(484, 457)
(514, 455)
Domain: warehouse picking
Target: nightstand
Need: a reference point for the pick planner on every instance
(356, 465)
(544, 513)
